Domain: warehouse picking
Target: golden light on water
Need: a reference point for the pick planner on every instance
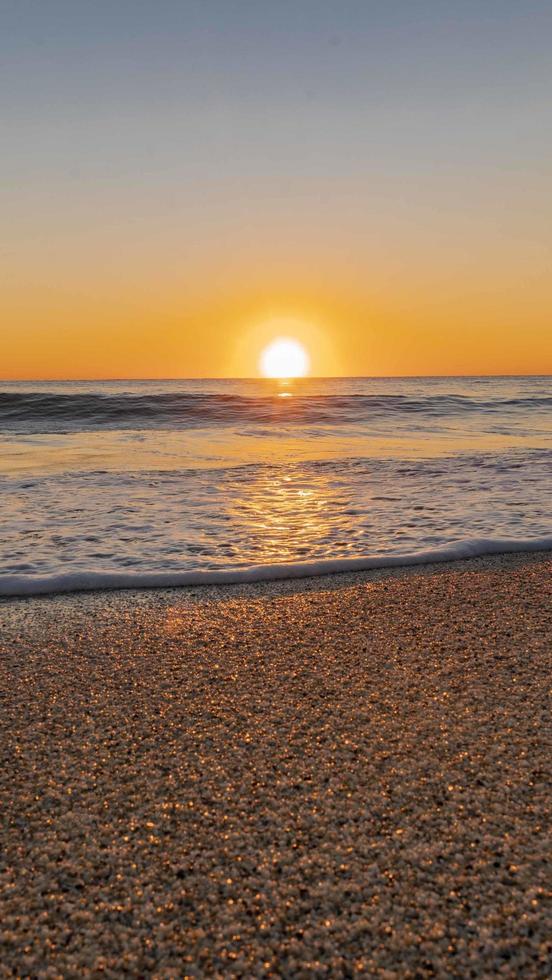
(284, 358)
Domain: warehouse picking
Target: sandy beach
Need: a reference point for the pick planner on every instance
(339, 777)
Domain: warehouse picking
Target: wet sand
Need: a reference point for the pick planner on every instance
(332, 778)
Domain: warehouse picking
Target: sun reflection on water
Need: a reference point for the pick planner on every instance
(286, 517)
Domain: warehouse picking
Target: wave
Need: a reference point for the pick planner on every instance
(83, 581)
(45, 411)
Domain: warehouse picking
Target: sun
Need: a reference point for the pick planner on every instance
(284, 358)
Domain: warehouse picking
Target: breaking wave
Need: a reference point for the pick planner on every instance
(45, 412)
(83, 581)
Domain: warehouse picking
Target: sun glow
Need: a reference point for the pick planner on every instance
(284, 358)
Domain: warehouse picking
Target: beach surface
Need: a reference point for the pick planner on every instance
(344, 776)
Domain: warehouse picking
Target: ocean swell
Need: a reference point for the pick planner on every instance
(46, 412)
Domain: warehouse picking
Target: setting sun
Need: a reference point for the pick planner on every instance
(284, 358)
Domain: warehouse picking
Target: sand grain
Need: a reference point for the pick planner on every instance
(348, 778)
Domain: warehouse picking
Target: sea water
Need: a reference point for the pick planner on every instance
(159, 482)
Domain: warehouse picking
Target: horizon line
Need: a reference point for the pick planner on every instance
(310, 377)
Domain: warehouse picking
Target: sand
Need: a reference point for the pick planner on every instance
(340, 777)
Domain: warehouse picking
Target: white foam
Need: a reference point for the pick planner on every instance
(27, 585)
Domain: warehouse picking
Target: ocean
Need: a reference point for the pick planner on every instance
(139, 483)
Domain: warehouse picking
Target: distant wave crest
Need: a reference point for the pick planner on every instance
(48, 412)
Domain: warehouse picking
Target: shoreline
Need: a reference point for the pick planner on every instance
(13, 586)
(288, 586)
(337, 776)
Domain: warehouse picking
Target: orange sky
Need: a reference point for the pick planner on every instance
(375, 182)
(98, 322)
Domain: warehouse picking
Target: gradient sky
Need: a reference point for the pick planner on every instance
(181, 180)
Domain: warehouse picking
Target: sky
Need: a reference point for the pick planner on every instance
(183, 180)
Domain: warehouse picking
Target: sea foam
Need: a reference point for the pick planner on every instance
(86, 581)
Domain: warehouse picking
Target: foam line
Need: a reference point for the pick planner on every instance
(28, 585)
